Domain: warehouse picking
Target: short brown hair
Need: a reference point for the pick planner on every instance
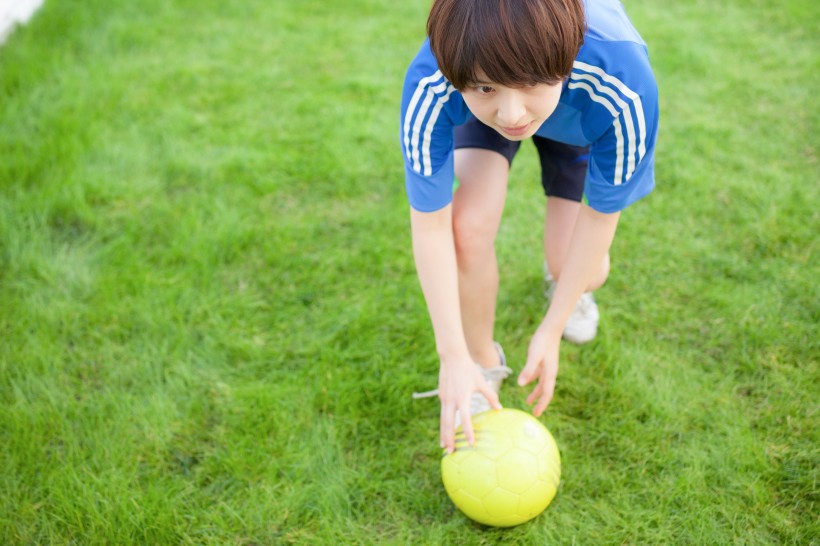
(514, 42)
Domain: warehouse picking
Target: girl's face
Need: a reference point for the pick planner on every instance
(515, 112)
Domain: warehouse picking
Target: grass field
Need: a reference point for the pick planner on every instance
(210, 323)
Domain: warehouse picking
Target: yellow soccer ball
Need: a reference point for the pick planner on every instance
(511, 473)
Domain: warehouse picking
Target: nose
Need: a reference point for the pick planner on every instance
(511, 110)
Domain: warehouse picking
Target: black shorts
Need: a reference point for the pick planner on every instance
(563, 166)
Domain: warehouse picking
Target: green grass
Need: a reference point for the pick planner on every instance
(210, 324)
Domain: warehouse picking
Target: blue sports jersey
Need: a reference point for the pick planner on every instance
(610, 102)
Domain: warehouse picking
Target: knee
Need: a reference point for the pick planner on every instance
(598, 279)
(473, 237)
(601, 277)
(554, 269)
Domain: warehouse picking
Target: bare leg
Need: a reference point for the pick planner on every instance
(477, 207)
(558, 227)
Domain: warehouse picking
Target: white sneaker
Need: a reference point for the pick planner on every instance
(494, 376)
(582, 325)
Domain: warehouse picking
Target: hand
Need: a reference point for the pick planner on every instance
(457, 382)
(542, 362)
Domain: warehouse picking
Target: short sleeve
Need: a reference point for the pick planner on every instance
(622, 156)
(429, 105)
(616, 176)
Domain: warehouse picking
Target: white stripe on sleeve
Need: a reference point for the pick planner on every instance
(428, 131)
(627, 92)
(414, 130)
(619, 133)
(601, 89)
(411, 108)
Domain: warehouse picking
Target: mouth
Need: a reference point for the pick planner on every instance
(516, 131)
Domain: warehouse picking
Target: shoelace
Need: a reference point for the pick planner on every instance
(493, 376)
(497, 374)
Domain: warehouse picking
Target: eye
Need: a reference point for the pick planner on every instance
(483, 89)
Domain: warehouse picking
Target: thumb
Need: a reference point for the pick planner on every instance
(529, 372)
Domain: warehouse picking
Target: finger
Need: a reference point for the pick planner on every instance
(547, 390)
(467, 426)
(448, 428)
(536, 392)
(542, 404)
(491, 396)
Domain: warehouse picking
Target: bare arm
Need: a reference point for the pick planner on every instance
(591, 239)
(435, 256)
